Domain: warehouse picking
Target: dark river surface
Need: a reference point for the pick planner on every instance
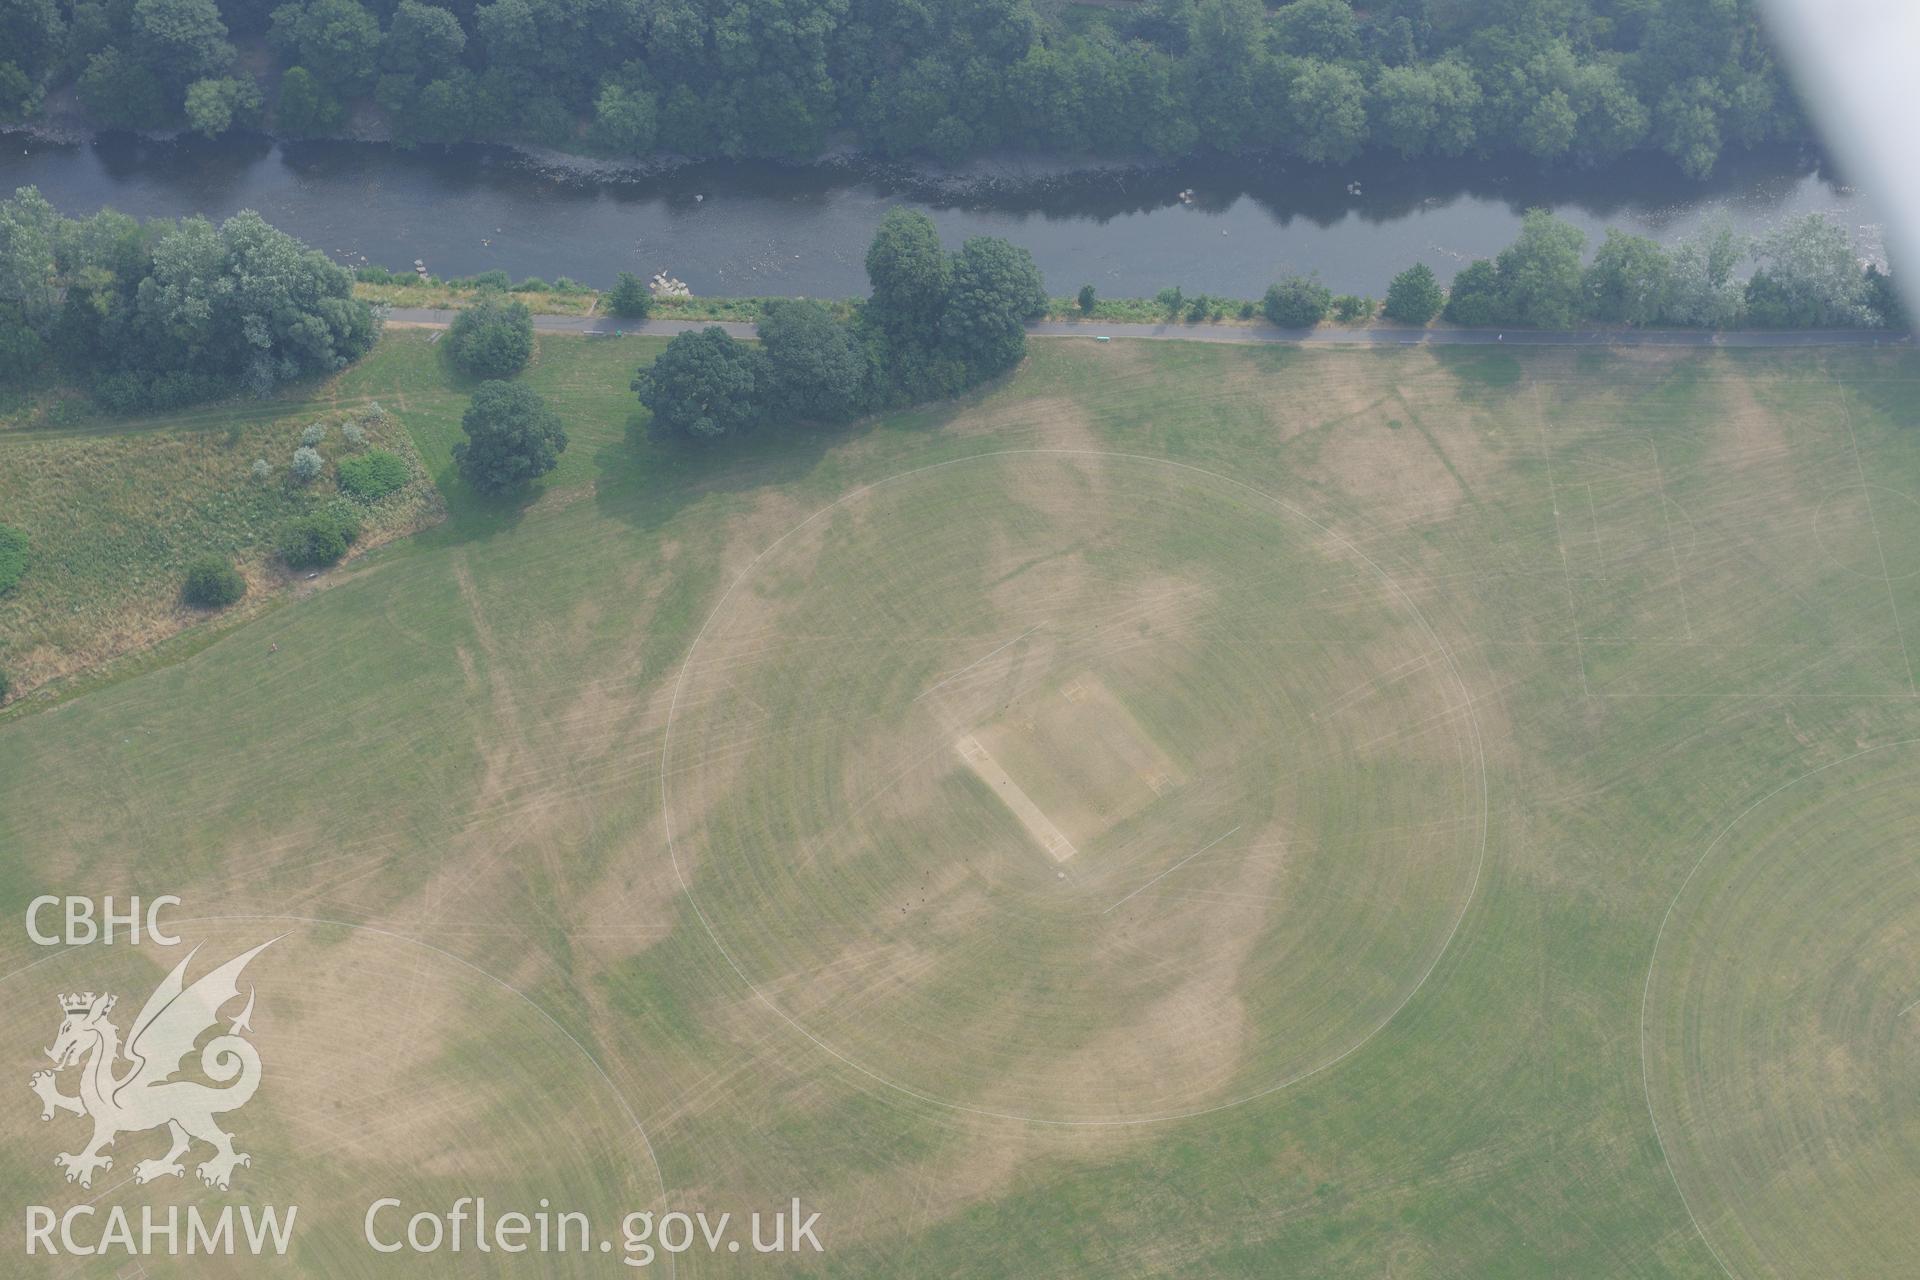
(732, 229)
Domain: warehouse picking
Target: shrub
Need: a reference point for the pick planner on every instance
(1087, 299)
(314, 434)
(13, 557)
(492, 339)
(533, 284)
(262, 470)
(374, 275)
(1415, 296)
(213, 582)
(372, 476)
(1298, 302)
(1170, 300)
(495, 279)
(318, 538)
(307, 464)
(1351, 308)
(355, 435)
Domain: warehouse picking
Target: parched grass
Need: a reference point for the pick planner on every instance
(1659, 578)
(441, 295)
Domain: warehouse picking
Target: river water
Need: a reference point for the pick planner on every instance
(734, 229)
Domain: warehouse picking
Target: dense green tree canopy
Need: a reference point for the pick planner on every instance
(816, 369)
(1415, 296)
(994, 291)
(513, 438)
(705, 385)
(492, 338)
(1565, 81)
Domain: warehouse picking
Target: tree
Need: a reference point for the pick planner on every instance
(492, 338)
(306, 109)
(1628, 281)
(513, 438)
(1298, 302)
(214, 106)
(180, 41)
(815, 368)
(630, 299)
(1475, 297)
(337, 40)
(1808, 277)
(212, 582)
(1328, 106)
(1540, 273)
(625, 121)
(119, 91)
(908, 273)
(994, 293)
(1086, 299)
(1415, 296)
(422, 41)
(704, 385)
(1703, 290)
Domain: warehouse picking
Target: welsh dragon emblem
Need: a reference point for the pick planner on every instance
(141, 1094)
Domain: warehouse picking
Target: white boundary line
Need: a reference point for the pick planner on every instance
(1653, 961)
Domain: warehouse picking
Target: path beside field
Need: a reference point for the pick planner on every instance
(430, 318)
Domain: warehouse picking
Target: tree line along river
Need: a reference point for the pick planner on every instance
(744, 229)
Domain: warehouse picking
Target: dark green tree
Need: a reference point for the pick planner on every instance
(1629, 281)
(908, 273)
(630, 299)
(704, 385)
(1475, 298)
(1298, 302)
(337, 40)
(816, 369)
(513, 438)
(492, 338)
(994, 293)
(306, 109)
(1415, 296)
(1540, 273)
(1086, 299)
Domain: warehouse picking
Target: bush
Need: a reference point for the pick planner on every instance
(213, 583)
(533, 284)
(1298, 302)
(1087, 299)
(318, 538)
(630, 299)
(307, 464)
(314, 434)
(372, 476)
(495, 279)
(262, 470)
(13, 557)
(355, 435)
(1351, 308)
(1415, 296)
(492, 339)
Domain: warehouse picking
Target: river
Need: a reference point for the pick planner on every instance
(736, 229)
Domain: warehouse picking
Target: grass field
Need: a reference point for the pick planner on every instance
(1492, 834)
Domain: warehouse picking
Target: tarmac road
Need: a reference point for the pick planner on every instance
(425, 318)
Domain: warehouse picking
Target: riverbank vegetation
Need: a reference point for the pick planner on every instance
(935, 324)
(156, 315)
(1556, 80)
